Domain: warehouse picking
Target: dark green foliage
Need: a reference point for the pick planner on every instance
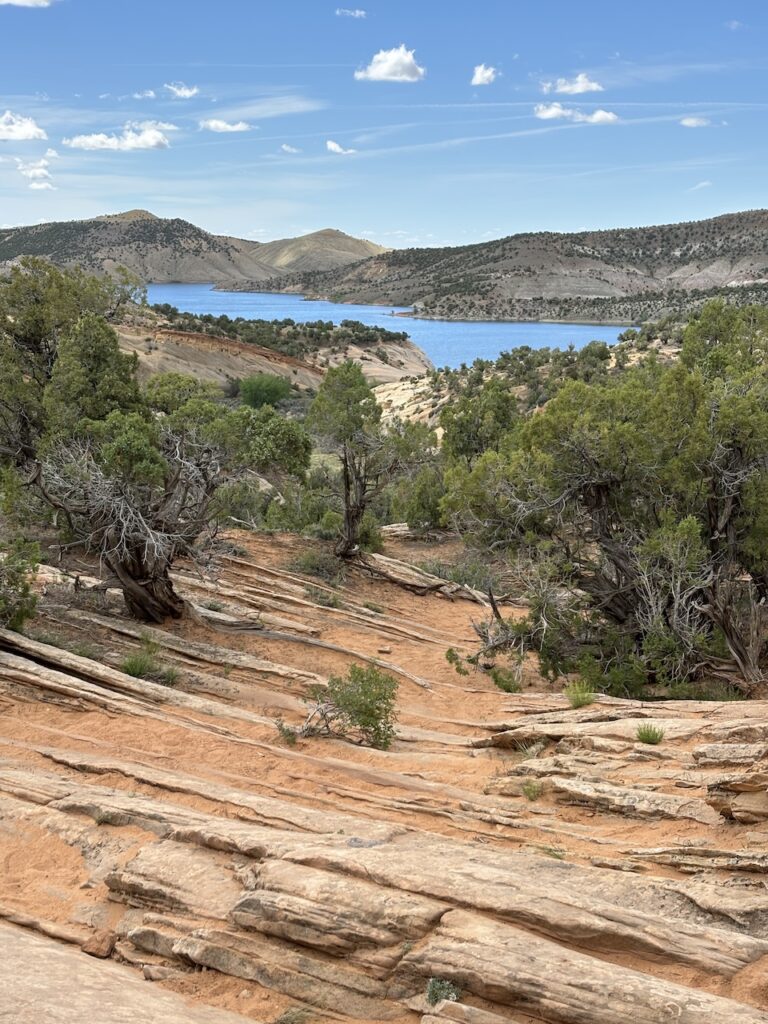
(361, 704)
(18, 564)
(505, 679)
(321, 564)
(264, 389)
(639, 502)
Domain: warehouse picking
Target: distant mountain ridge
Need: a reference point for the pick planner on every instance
(164, 250)
(558, 276)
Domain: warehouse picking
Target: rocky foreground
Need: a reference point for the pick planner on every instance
(541, 859)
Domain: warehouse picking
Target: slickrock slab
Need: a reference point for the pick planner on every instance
(512, 967)
(45, 982)
(698, 859)
(742, 797)
(267, 810)
(720, 754)
(638, 803)
(616, 727)
(176, 876)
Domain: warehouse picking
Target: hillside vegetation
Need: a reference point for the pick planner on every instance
(161, 250)
(622, 275)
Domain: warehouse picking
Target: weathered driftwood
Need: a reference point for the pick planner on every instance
(411, 578)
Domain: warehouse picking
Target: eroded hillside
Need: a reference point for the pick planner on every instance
(541, 862)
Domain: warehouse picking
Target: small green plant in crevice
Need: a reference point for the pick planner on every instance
(287, 733)
(579, 694)
(453, 657)
(213, 606)
(323, 598)
(361, 704)
(293, 1015)
(375, 608)
(648, 733)
(438, 989)
(532, 789)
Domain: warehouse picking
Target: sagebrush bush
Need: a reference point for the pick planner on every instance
(438, 989)
(321, 564)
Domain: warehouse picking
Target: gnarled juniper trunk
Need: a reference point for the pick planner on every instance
(148, 592)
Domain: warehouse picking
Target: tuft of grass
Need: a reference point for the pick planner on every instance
(375, 608)
(579, 694)
(213, 606)
(439, 989)
(532, 789)
(140, 665)
(648, 733)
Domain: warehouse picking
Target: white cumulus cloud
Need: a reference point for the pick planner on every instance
(348, 12)
(395, 65)
(145, 135)
(694, 122)
(15, 128)
(572, 86)
(289, 149)
(180, 91)
(334, 147)
(215, 124)
(556, 111)
(37, 174)
(483, 75)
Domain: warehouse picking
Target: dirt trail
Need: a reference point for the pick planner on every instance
(540, 859)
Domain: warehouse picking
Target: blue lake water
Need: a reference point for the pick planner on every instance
(446, 342)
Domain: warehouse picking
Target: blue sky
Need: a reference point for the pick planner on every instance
(411, 123)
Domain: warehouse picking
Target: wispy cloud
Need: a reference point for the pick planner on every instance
(26, 3)
(180, 91)
(395, 65)
(572, 86)
(334, 147)
(289, 149)
(37, 174)
(734, 25)
(146, 94)
(556, 111)
(700, 185)
(483, 75)
(144, 135)
(215, 124)
(347, 12)
(695, 122)
(16, 128)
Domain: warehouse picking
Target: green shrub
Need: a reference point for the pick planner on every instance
(579, 694)
(439, 989)
(18, 564)
(322, 564)
(264, 389)
(506, 679)
(648, 733)
(360, 703)
(287, 734)
(371, 537)
(329, 527)
(532, 789)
